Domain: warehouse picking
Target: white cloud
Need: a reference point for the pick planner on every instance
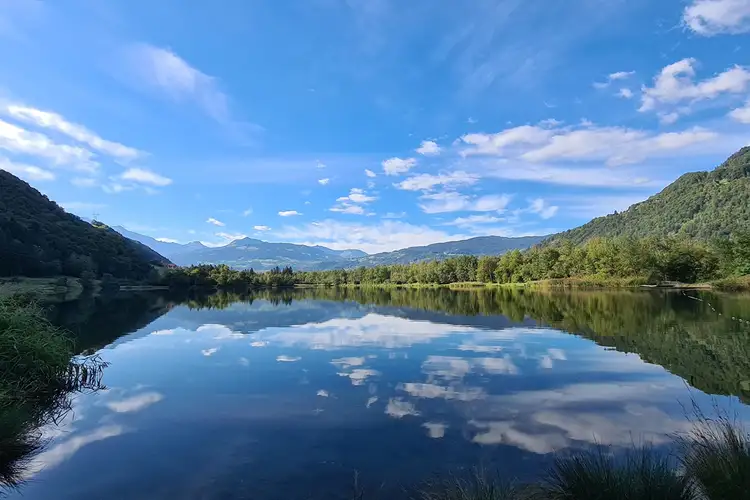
(424, 182)
(352, 204)
(429, 148)
(456, 368)
(287, 359)
(714, 17)
(495, 144)
(83, 182)
(261, 228)
(612, 77)
(323, 182)
(165, 72)
(625, 93)
(17, 140)
(144, 176)
(323, 393)
(167, 240)
(370, 173)
(53, 121)
(348, 209)
(247, 212)
(359, 376)
(434, 391)
(62, 451)
(435, 430)
(348, 362)
(675, 85)
(399, 408)
(451, 201)
(320, 164)
(614, 145)
(357, 196)
(210, 352)
(135, 403)
(541, 207)
(741, 115)
(386, 236)
(289, 213)
(215, 222)
(621, 75)
(396, 166)
(26, 172)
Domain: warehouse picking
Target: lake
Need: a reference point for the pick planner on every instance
(292, 395)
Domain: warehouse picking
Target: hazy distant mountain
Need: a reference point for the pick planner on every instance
(162, 247)
(261, 255)
(482, 245)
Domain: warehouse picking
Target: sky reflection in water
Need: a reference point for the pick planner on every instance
(288, 401)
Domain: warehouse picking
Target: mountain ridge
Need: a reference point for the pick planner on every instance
(38, 239)
(262, 255)
(701, 205)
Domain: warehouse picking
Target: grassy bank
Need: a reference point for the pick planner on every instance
(585, 282)
(37, 376)
(49, 290)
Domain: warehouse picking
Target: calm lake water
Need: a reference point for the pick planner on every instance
(289, 395)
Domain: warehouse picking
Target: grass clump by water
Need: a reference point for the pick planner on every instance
(479, 486)
(641, 475)
(716, 457)
(37, 376)
(34, 354)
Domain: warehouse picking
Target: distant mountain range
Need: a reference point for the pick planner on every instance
(262, 255)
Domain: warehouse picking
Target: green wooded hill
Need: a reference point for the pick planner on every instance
(700, 205)
(38, 238)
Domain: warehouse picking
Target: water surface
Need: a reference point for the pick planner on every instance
(289, 395)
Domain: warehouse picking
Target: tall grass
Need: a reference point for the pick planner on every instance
(715, 455)
(37, 376)
(641, 475)
(480, 485)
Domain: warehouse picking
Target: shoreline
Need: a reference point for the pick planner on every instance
(733, 285)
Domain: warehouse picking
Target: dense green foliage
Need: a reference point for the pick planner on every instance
(37, 377)
(223, 276)
(649, 259)
(38, 238)
(700, 205)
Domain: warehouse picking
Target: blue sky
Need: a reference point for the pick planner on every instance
(375, 124)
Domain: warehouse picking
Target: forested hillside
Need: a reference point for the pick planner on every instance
(700, 205)
(38, 238)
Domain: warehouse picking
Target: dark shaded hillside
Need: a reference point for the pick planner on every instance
(38, 238)
(701, 205)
